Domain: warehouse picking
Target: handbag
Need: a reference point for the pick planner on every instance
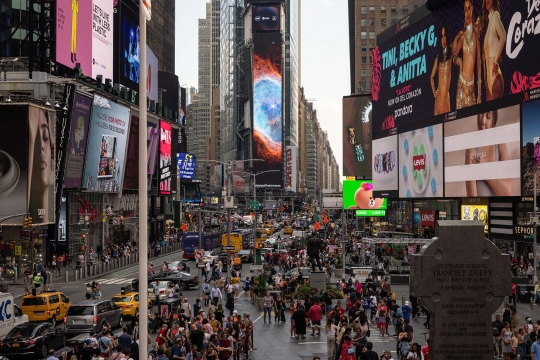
(205, 297)
(351, 350)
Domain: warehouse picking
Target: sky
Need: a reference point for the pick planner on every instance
(325, 58)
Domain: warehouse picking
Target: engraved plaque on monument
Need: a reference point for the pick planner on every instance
(462, 279)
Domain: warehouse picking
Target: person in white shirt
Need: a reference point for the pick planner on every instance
(215, 294)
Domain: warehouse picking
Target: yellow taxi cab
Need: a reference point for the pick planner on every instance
(269, 230)
(128, 301)
(47, 305)
(287, 230)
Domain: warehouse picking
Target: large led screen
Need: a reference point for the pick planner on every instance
(385, 170)
(266, 18)
(465, 53)
(185, 166)
(165, 157)
(420, 163)
(530, 140)
(106, 149)
(482, 154)
(358, 195)
(84, 35)
(357, 156)
(267, 108)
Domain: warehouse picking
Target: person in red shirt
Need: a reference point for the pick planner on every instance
(315, 315)
(425, 352)
(513, 296)
(339, 309)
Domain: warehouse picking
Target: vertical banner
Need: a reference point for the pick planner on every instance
(62, 142)
(267, 108)
(175, 149)
(80, 122)
(152, 146)
(14, 161)
(165, 158)
(41, 150)
(131, 178)
(291, 167)
(106, 152)
(357, 155)
(102, 38)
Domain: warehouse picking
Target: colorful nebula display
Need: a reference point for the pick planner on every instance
(267, 108)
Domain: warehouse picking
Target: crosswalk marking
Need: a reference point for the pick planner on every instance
(115, 281)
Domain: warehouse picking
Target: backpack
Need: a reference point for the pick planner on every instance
(134, 348)
(399, 312)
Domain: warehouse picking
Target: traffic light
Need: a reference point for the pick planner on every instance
(29, 222)
(25, 223)
(122, 220)
(83, 239)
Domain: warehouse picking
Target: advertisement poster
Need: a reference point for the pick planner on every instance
(238, 183)
(530, 141)
(385, 171)
(151, 75)
(14, 162)
(291, 168)
(74, 34)
(267, 108)
(131, 177)
(357, 156)
(266, 18)
(80, 121)
(186, 166)
(358, 195)
(41, 150)
(106, 149)
(420, 163)
(130, 45)
(165, 158)
(482, 154)
(152, 132)
(428, 218)
(102, 38)
(475, 212)
(463, 54)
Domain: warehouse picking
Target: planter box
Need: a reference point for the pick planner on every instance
(260, 303)
(338, 273)
(398, 262)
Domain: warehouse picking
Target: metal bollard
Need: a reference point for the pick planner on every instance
(15, 277)
(67, 276)
(76, 273)
(50, 277)
(402, 300)
(531, 303)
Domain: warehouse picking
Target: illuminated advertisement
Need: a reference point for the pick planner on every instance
(291, 168)
(467, 52)
(84, 35)
(530, 141)
(186, 166)
(266, 18)
(238, 182)
(357, 156)
(165, 158)
(131, 176)
(358, 195)
(152, 145)
(420, 163)
(482, 154)
(475, 212)
(106, 149)
(267, 108)
(384, 169)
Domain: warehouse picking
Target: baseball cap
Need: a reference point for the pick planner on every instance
(406, 303)
(88, 341)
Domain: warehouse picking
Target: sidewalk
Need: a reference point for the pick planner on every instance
(69, 274)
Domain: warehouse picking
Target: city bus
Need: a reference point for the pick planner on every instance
(190, 242)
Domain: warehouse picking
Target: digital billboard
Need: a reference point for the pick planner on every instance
(465, 53)
(106, 149)
(357, 156)
(186, 166)
(165, 157)
(152, 143)
(267, 108)
(421, 163)
(131, 176)
(482, 154)
(80, 121)
(385, 171)
(358, 195)
(266, 18)
(475, 212)
(530, 142)
(291, 168)
(84, 35)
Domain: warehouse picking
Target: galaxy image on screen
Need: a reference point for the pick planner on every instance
(267, 102)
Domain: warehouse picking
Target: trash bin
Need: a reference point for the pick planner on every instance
(523, 295)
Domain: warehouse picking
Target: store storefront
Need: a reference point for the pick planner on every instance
(21, 249)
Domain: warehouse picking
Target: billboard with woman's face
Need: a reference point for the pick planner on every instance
(482, 154)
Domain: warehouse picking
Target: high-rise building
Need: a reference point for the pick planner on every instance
(192, 91)
(160, 34)
(367, 19)
(292, 71)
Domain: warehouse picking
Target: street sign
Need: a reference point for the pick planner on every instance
(228, 248)
(199, 254)
(256, 267)
(254, 204)
(201, 264)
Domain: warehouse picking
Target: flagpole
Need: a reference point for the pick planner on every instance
(143, 190)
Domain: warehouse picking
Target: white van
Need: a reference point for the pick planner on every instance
(10, 314)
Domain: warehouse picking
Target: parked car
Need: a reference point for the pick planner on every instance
(178, 265)
(245, 255)
(89, 315)
(32, 339)
(183, 279)
(48, 306)
(210, 256)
